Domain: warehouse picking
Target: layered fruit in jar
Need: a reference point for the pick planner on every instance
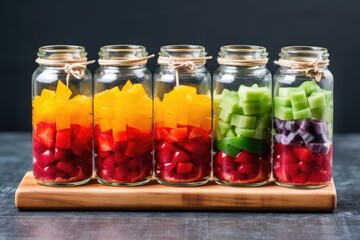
(62, 137)
(182, 137)
(243, 136)
(303, 135)
(123, 135)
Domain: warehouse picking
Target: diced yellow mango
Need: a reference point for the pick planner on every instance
(62, 122)
(185, 89)
(127, 86)
(46, 94)
(62, 91)
(105, 124)
(118, 124)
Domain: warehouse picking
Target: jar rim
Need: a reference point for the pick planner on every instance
(240, 51)
(122, 47)
(182, 48)
(62, 51)
(304, 50)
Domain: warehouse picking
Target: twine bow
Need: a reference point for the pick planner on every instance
(188, 64)
(74, 68)
(313, 69)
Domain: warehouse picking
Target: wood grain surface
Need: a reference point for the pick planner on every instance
(154, 196)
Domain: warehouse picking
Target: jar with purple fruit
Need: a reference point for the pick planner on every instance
(303, 118)
(243, 107)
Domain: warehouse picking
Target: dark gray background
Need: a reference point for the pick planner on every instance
(27, 25)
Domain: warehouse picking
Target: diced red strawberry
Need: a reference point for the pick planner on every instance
(46, 132)
(63, 154)
(181, 156)
(288, 157)
(292, 169)
(303, 154)
(38, 146)
(165, 152)
(307, 168)
(134, 164)
(105, 173)
(63, 139)
(245, 157)
(197, 147)
(169, 167)
(133, 176)
(104, 141)
(183, 168)
(119, 147)
(136, 134)
(121, 158)
(179, 133)
(46, 158)
(41, 174)
(121, 173)
(300, 178)
(245, 168)
(82, 141)
(120, 136)
(103, 154)
(109, 163)
(99, 162)
(66, 167)
(198, 132)
(223, 159)
(133, 149)
(166, 135)
(318, 160)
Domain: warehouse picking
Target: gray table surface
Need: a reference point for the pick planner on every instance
(343, 223)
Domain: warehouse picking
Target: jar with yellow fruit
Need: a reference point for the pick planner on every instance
(182, 107)
(123, 116)
(61, 116)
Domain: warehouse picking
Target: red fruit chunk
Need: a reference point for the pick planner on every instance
(288, 157)
(38, 146)
(133, 149)
(133, 176)
(39, 173)
(120, 158)
(120, 136)
(46, 132)
(303, 154)
(82, 140)
(63, 154)
(181, 156)
(135, 134)
(105, 173)
(63, 139)
(179, 133)
(103, 154)
(223, 159)
(119, 147)
(46, 158)
(121, 173)
(197, 147)
(66, 167)
(165, 152)
(245, 157)
(307, 168)
(245, 168)
(134, 164)
(198, 132)
(292, 169)
(169, 167)
(166, 135)
(109, 163)
(99, 162)
(300, 178)
(104, 141)
(183, 168)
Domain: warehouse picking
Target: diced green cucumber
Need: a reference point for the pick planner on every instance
(262, 134)
(282, 101)
(252, 108)
(302, 114)
(328, 94)
(225, 116)
(243, 143)
(283, 113)
(230, 133)
(251, 93)
(227, 92)
(229, 104)
(298, 96)
(317, 113)
(298, 106)
(218, 136)
(223, 127)
(286, 91)
(317, 99)
(263, 122)
(246, 132)
(309, 86)
(243, 121)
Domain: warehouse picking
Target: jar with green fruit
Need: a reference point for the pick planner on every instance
(61, 116)
(242, 109)
(303, 118)
(183, 119)
(123, 116)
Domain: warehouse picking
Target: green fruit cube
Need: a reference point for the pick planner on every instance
(287, 91)
(309, 86)
(223, 127)
(316, 113)
(243, 121)
(225, 116)
(251, 94)
(229, 104)
(298, 96)
(246, 132)
(229, 93)
(298, 106)
(283, 113)
(230, 133)
(328, 94)
(282, 101)
(218, 136)
(263, 122)
(252, 108)
(302, 114)
(262, 134)
(317, 99)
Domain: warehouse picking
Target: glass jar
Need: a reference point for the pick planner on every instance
(123, 116)
(61, 116)
(183, 118)
(303, 118)
(242, 107)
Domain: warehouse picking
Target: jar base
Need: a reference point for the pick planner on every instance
(119, 184)
(63, 184)
(301, 186)
(181, 184)
(229, 184)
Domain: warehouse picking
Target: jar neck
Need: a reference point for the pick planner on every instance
(182, 51)
(243, 56)
(64, 53)
(304, 53)
(121, 52)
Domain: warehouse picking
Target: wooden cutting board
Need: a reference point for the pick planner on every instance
(153, 196)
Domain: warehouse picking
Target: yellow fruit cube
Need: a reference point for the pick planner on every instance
(127, 86)
(62, 91)
(46, 93)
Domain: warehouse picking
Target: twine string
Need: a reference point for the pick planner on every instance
(74, 68)
(188, 64)
(313, 68)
